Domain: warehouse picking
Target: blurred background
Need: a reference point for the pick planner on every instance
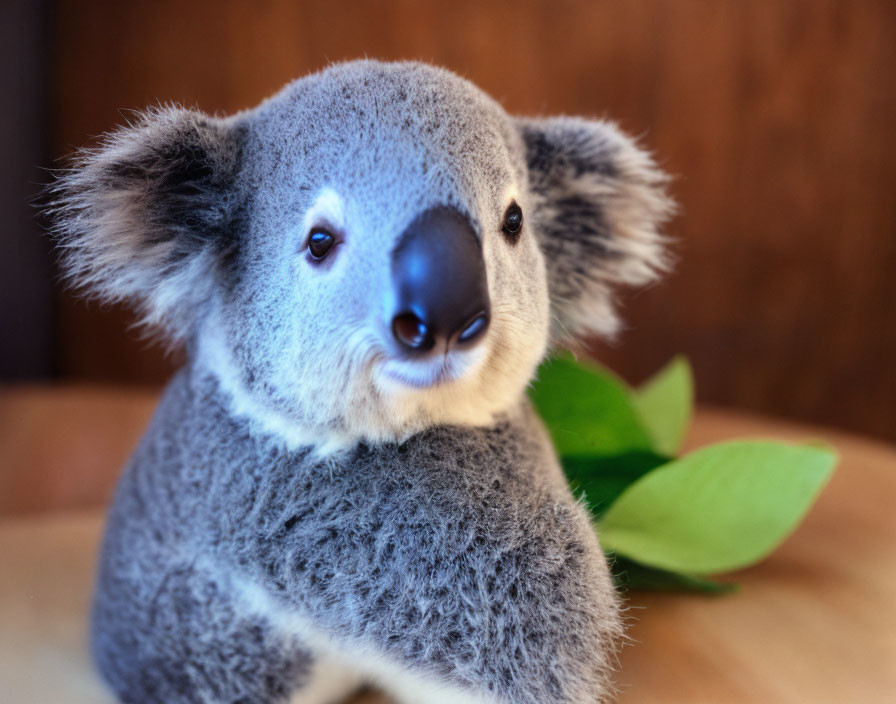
(777, 118)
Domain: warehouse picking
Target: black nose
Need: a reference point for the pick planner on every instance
(439, 276)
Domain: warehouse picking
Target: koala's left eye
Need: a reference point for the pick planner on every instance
(320, 244)
(513, 222)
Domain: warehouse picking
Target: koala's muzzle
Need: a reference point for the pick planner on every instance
(439, 275)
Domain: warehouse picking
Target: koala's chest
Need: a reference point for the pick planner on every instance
(380, 525)
(380, 509)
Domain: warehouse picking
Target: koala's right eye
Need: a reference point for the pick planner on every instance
(320, 244)
(513, 222)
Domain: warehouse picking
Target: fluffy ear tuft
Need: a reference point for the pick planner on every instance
(144, 216)
(599, 201)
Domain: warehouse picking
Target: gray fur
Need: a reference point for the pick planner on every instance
(458, 553)
(291, 504)
(145, 217)
(599, 202)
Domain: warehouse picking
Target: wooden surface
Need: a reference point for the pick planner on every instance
(814, 623)
(775, 117)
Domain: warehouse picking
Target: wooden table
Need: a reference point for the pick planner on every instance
(814, 623)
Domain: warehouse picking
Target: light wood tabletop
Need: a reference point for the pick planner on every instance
(816, 622)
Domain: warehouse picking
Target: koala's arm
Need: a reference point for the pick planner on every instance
(459, 560)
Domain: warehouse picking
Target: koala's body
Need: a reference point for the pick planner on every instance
(346, 483)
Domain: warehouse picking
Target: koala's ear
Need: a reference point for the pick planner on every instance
(145, 216)
(598, 203)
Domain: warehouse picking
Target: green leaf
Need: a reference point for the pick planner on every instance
(718, 509)
(665, 403)
(629, 575)
(603, 479)
(588, 411)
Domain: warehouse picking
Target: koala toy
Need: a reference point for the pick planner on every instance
(345, 484)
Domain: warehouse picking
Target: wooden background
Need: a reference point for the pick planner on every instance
(777, 117)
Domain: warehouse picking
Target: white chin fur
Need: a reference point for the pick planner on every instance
(391, 399)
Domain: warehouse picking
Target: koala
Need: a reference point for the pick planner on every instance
(346, 485)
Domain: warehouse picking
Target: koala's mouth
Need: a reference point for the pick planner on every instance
(430, 372)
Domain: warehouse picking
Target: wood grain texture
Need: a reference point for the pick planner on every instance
(64, 447)
(816, 622)
(776, 117)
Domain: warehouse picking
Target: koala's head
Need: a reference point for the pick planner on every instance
(376, 249)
